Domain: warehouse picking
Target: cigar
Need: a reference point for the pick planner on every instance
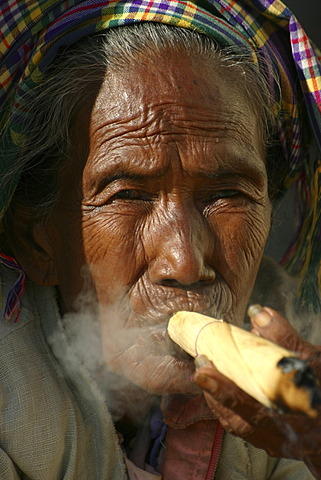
(272, 375)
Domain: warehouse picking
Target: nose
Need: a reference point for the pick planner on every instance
(182, 247)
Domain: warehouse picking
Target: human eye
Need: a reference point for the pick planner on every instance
(226, 194)
(223, 195)
(131, 194)
(223, 200)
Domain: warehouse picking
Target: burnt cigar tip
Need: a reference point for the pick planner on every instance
(303, 378)
(289, 364)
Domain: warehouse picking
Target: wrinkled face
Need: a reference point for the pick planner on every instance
(166, 205)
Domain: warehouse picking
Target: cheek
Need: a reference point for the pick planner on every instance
(113, 253)
(99, 255)
(241, 240)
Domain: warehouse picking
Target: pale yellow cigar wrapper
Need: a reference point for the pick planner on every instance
(246, 359)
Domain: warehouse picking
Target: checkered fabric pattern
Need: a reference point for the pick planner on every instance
(31, 31)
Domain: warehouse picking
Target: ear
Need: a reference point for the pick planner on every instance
(32, 248)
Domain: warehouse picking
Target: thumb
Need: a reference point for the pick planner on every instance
(269, 324)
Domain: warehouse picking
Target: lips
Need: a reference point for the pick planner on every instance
(169, 347)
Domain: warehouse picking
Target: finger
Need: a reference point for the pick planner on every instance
(271, 325)
(217, 392)
(231, 421)
(224, 392)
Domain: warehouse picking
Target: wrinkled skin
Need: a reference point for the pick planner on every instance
(166, 203)
(289, 435)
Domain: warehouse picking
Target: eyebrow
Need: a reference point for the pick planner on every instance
(250, 172)
(121, 168)
(118, 168)
(225, 174)
(108, 179)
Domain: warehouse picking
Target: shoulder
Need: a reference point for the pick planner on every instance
(31, 396)
(50, 422)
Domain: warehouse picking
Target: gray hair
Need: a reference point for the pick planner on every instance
(75, 72)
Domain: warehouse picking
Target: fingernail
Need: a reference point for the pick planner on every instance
(254, 310)
(259, 316)
(201, 361)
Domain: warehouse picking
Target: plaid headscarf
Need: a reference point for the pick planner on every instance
(31, 31)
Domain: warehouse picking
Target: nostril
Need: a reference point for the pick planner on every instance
(170, 282)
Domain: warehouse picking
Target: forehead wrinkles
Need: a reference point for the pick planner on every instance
(153, 147)
(141, 104)
(177, 122)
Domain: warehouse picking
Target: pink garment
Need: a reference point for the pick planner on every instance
(193, 441)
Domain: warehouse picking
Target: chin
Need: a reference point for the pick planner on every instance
(153, 363)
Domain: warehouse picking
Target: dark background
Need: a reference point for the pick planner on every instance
(308, 13)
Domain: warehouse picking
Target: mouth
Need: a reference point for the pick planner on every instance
(168, 347)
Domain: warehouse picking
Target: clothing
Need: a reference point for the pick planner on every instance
(49, 430)
(54, 423)
(32, 32)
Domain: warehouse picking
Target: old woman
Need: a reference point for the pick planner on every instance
(144, 145)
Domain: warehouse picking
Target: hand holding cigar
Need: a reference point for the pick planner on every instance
(288, 435)
(271, 374)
